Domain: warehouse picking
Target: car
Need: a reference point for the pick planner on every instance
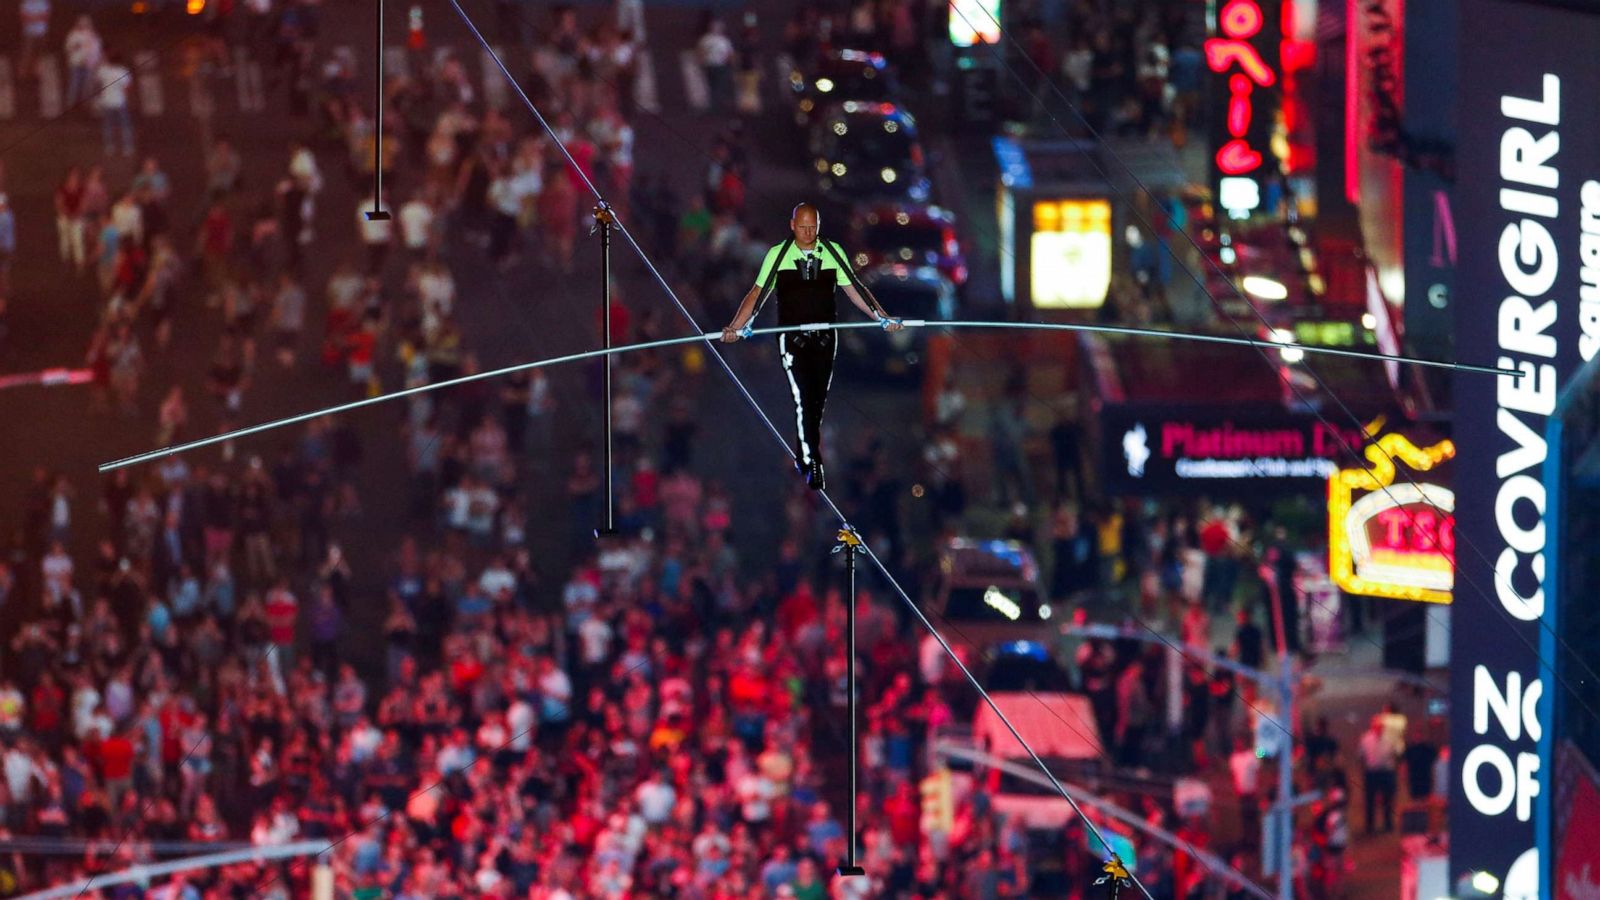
(1023, 666)
(869, 151)
(906, 292)
(915, 234)
(841, 75)
(989, 592)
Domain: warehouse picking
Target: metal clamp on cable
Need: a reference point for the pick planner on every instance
(847, 538)
(603, 216)
(1116, 875)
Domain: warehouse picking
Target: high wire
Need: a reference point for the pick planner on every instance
(713, 336)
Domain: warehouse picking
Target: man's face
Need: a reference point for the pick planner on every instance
(804, 225)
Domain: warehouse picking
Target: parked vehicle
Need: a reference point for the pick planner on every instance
(841, 75)
(869, 151)
(911, 234)
(991, 591)
(906, 292)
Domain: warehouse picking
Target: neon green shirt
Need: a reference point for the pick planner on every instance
(791, 260)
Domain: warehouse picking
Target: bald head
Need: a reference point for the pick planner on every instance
(804, 222)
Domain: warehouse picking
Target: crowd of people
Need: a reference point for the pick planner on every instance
(664, 718)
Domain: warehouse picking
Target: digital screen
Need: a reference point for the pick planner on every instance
(974, 22)
(1071, 253)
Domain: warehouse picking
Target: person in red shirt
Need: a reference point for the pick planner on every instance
(69, 218)
(465, 670)
(213, 245)
(115, 760)
(621, 319)
(797, 610)
(1221, 569)
(360, 347)
(45, 709)
(283, 614)
(173, 720)
(905, 817)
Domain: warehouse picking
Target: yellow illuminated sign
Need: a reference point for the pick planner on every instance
(1395, 540)
(1071, 253)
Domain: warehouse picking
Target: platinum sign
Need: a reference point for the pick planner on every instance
(1528, 152)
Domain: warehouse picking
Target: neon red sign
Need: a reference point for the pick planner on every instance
(1237, 54)
(1405, 533)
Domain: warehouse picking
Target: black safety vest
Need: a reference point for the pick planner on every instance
(802, 300)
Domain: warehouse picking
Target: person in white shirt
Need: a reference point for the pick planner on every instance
(594, 639)
(128, 217)
(715, 51)
(85, 701)
(497, 582)
(376, 234)
(521, 721)
(504, 204)
(308, 177)
(20, 773)
(57, 569)
(116, 124)
(416, 226)
(1378, 761)
(656, 799)
(83, 49)
(1245, 767)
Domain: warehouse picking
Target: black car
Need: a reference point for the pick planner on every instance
(1025, 666)
(906, 292)
(869, 151)
(911, 234)
(839, 76)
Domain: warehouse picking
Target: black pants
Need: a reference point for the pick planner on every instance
(808, 362)
(1379, 788)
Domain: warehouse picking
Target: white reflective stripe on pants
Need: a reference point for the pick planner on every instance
(794, 388)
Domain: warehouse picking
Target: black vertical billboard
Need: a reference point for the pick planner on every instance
(1528, 297)
(1431, 64)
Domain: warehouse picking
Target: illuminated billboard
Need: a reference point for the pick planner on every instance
(1071, 253)
(1389, 540)
(1160, 449)
(1526, 210)
(1243, 55)
(974, 22)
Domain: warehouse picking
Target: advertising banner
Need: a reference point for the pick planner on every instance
(1528, 296)
(1390, 537)
(1176, 450)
